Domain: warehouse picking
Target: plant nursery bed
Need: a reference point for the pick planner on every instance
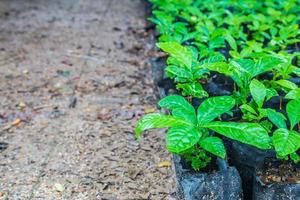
(230, 88)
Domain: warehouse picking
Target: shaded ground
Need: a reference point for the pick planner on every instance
(74, 78)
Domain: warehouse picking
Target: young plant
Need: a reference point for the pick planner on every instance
(286, 141)
(254, 110)
(189, 129)
(181, 67)
(242, 71)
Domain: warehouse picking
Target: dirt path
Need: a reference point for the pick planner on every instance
(74, 78)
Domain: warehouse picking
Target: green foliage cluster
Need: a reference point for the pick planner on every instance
(255, 45)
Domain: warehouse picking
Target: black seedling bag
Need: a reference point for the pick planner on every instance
(224, 184)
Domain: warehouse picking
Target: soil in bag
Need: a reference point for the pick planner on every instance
(277, 180)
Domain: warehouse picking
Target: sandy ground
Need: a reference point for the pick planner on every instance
(74, 78)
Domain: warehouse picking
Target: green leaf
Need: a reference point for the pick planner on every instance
(182, 138)
(276, 118)
(245, 65)
(287, 84)
(248, 108)
(231, 41)
(266, 125)
(181, 53)
(242, 75)
(221, 67)
(213, 107)
(176, 71)
(194, 89)
(262, 113)
(295, 157)
(293, 94)
(199, 73)
(286, 141)
(258, 92)
(175, 101)
(214, 145)
(248, 133)
(293, 112)
(271, 92)
(264, 64)
(296, 70)
(215, 58)
(156, 120)
(180, 107)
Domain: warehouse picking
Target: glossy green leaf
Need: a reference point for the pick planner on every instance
(295, 157)
(244, 65)
(271, 92)
(180, 107)
(181, 53)
(231, 41)
(276, 118)
(213, 107)
(214, 145)
(266, 125)
(293, 112)
(248, 133)
(194, 89)
(200, 73)
(175, 101)
(262, 113)
(264, 64)
(176, 71)
(286, 141)
(241, 75)
(286, 84)
(258, 92)
(182, 138)
(293, 94)
(296, 70)
(213, 59)
(156, 120)
(221, 67)
(247, 108)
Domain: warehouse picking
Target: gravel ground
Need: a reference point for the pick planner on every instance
(74, 78)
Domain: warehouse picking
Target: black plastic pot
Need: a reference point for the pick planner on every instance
(246, 158)
(274, 191)
(158, 68)
(224, 184)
